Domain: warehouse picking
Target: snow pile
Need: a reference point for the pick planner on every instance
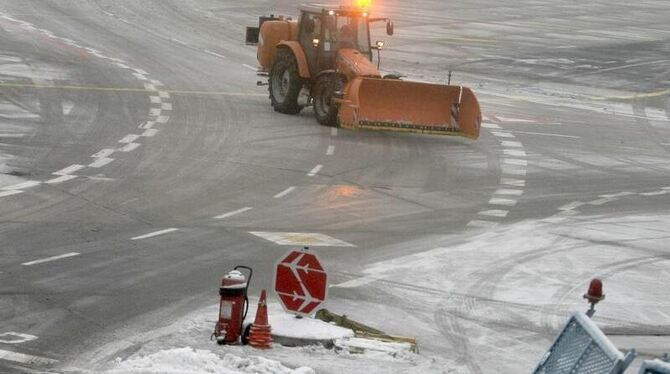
(287, 325)
(200, 361)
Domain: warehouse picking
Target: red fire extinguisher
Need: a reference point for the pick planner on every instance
(233, 307)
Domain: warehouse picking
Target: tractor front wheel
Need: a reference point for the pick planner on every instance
(323, 92)
(285, 83)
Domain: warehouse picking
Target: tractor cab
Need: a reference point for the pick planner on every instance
(324, 31)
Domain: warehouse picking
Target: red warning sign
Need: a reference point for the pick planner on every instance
(300, 282)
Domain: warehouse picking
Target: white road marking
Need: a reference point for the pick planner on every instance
(655, 193)
(61, 179)
(234, 212)
(156, 82)
(155, 99)
(179, 41)
(25, 359)
(494, 213)
(103, 153)
(163, 94)
(517, 120)
(620, 194)
(214, 53)
(490, 126)
(129, 147)
(166, 106)
(514, 152)
(509, 143)
(155, 112)
(140, 71)
(147, 125)
(149, 87)
(296, 238)
(150, 132)
(12, 337)
(333, 131)
(315, 171)
(100, 162)
(601, 201)
(139, 76)
(330, 151)
(284, 193)
(49, 259)
(515, 161)
(249, 67)
(512, 192)
(572, 205)
(502, 134)
(9, 193)
(162, 119)
(547, 134)
(122, 65)
(67, 107)
(129, 138)
(155, 233)
(482, 224)
(513, 182)
(69, 170)
(22, 186)
(507, 169)
(504, 202)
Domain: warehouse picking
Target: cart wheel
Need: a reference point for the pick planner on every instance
(245, 334)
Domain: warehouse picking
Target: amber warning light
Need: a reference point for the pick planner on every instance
(365, 4)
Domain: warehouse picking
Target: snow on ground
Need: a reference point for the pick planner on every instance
(490, 302)
(185, 347)
(497, 300)
(194, 361)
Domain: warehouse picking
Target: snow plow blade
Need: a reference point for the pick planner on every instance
(396, 105)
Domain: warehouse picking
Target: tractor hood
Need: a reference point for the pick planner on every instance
(353, 63)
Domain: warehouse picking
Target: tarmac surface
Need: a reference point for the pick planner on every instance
(139, 162)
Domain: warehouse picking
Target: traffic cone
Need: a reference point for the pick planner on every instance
(260, 335)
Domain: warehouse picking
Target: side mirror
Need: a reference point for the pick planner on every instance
(389, 28)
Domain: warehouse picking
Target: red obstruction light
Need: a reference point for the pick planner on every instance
(595, 292)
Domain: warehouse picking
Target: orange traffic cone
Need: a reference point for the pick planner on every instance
(260, 335)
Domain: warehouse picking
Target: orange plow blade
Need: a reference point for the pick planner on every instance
(396, 105)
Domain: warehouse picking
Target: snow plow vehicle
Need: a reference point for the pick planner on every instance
(325, 59)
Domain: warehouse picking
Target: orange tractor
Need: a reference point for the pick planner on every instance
(325, 59)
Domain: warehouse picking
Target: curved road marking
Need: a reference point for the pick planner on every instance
(101, 157)
(513, 167)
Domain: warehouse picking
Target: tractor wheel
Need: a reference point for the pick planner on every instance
(285, 83)
(325, 108)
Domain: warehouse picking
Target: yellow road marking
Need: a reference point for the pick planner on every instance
(635, 96)
(128, 89)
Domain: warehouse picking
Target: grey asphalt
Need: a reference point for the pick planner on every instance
(555, 75)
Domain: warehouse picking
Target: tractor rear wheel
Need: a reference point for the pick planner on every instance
(285, 83)
(325, 108)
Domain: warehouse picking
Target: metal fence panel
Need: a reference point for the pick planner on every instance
(655, 367)
(582, 348)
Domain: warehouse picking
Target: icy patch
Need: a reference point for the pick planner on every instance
(196, 361)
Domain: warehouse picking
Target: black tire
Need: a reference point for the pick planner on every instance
(285, 83)
(325, 108)
(246, 331)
